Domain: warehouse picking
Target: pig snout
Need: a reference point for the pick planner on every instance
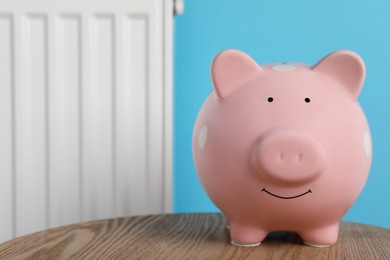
(289, 157)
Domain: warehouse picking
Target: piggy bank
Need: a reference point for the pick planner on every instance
(283, 147)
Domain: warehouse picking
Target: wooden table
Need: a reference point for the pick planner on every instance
(185, 236)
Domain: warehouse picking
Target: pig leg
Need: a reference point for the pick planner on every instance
(246, 236)
(321, 237)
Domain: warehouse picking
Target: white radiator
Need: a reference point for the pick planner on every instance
(85, 111)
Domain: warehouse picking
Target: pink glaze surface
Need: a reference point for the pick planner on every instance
(283, 147)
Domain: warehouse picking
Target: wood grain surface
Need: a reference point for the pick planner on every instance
(186, 236)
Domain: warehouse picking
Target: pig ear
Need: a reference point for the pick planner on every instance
(230, 69)
(347, 67)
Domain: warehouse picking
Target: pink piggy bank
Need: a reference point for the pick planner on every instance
(283, 147)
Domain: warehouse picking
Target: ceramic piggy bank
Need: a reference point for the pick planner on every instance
(283, 147)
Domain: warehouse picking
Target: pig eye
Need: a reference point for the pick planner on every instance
(270, 99)
(307, 100)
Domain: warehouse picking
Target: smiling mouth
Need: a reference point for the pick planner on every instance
(287, 198)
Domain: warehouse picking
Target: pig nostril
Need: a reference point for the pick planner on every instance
(281, 156)
(300, 157)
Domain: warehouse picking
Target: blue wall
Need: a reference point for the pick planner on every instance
(274, 31)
